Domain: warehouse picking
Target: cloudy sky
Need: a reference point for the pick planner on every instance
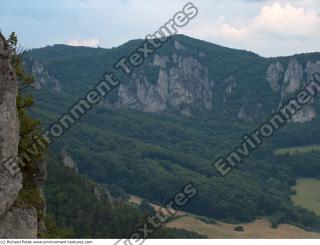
(267, 27)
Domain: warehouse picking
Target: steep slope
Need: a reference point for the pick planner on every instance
(81, 208)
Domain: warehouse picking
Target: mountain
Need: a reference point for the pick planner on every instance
(166, 124)
(77, 207)
(185, 75)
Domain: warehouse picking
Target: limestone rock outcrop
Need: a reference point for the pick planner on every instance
(68, 161)
(15, 221)
(274, 73)
(19, 223)
(289, 80)
(9, 129)
(182, 86)
(42, 76)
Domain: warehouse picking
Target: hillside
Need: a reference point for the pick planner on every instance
(80, 208)
(166, 124)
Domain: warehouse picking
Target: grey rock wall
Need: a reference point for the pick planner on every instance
(9, 129)
(183, 86)
(19, 223)
(289, 80)
(15, 222)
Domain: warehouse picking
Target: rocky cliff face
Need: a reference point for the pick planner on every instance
(274, 75)
(182, 84)
(15, 222)
(288, 80)
(41, 75)
(68, 161)
(19, 223)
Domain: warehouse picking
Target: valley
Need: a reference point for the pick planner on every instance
(113, 111)
(167, 122)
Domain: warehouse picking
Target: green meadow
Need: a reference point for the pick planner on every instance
(297, 150)
(307, 194)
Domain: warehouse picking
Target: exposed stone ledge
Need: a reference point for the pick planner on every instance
(19, 223)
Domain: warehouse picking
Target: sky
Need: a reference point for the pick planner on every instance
(266, 27)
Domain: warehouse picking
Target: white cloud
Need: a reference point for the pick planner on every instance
(286, 20)
(90, 42)
(219, 29)
(275, 30)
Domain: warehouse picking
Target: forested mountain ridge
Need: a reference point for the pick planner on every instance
(186, 106)
(185, 75)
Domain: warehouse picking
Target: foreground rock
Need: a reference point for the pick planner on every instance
(15, 222)
(19, 223)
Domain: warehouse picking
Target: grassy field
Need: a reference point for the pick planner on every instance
(259, 229)
(297, 150)
(307, 194)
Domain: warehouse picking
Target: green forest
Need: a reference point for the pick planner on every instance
(152, 155)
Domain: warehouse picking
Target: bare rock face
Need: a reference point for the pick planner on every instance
(305, 115)
(15, 222)
(9, 130)
(293, 78)
(68, 161)
(274, 74)
(311, 69)
(160, 61)
(183, 86)
(231, 84)
(290, 80)
(19, 223)
(41, 75)
(293, 81)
